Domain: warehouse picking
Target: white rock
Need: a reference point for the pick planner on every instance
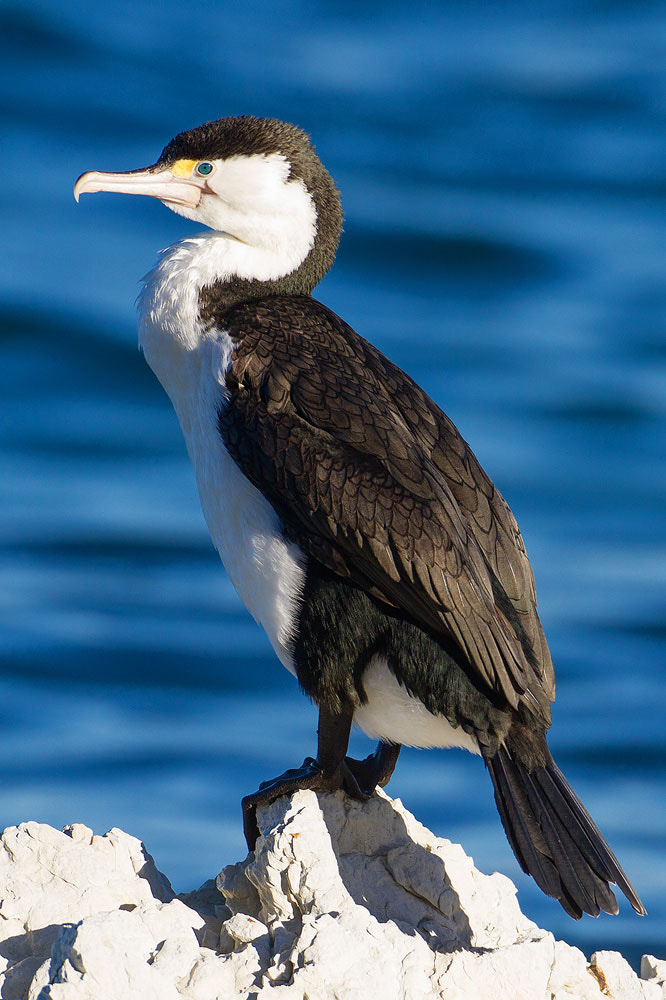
(617, 978)
(571, 976)
(340, 901)
(654, 970)
(48, 878)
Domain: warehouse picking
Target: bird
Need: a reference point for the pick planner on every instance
(356, 524)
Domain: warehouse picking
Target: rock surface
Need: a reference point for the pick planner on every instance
(341, 901)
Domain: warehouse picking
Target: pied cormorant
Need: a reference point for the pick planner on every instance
(354, 521)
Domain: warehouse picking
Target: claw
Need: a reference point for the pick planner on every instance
(330, 770)
(308, 776)
(351, 784)
(362, 777)
(294, 772)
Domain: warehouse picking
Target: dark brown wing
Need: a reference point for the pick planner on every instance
(485, 510)
(339, 441)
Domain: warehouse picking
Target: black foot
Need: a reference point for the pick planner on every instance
(309, 775)
(361, 777)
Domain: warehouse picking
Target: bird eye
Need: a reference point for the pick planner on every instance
(204, 168)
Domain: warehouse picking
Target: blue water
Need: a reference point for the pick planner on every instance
(503, 174)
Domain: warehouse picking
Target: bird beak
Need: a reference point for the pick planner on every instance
(162, 184)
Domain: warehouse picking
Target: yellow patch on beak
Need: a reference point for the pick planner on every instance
(183, 168)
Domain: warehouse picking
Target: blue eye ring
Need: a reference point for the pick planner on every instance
(204, 168)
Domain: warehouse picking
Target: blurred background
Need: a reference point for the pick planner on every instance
(502, 168)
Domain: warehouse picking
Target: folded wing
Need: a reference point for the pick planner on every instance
(375, 483)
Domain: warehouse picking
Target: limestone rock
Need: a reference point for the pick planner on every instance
(340, 901)
(654, 970)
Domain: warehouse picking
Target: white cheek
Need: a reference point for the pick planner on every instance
(254, 200)
(269, 219)
(248, 184)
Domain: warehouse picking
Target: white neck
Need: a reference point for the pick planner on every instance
(264, 226)
(170, 329)
(190, 361)
(169, 301)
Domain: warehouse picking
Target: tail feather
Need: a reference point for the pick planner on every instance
(527, 840)
(554, 838)
(608, 865)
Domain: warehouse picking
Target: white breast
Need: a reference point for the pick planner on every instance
(267, 571)
(190, 362)
(392, 715)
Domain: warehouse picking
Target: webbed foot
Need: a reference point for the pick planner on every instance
(361, 777)
(309, 775)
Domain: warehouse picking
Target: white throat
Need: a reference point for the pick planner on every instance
(170, 327)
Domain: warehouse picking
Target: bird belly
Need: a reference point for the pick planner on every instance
(393, 715)
(267, 571)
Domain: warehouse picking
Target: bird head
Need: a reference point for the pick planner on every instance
(257, 180)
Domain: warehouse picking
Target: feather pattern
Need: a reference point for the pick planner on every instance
(373, 481)
(554, 838)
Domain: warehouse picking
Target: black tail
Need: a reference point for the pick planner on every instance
(554, 838)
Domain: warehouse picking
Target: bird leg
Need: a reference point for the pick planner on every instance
(361, 777)
(326, 773)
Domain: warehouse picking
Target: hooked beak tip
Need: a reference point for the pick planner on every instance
(80, 186)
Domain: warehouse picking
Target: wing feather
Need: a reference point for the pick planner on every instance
(375, 483)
